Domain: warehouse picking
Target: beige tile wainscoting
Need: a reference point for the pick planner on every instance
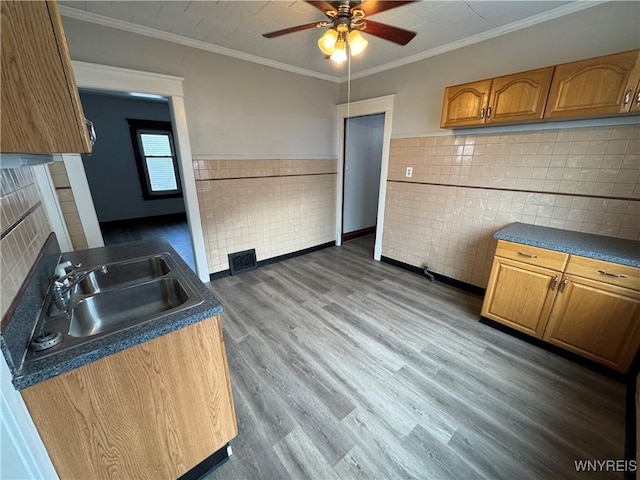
(68, 205)
(24, 229)
(274, 206)
(465, 187)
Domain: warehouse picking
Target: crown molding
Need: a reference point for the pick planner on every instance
(189, 42)
(573, 7)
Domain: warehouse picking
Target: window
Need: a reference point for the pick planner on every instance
(156, 158)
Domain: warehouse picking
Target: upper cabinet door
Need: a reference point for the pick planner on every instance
(465, 105)
(41, 108)
(519, 97)
(595, 87)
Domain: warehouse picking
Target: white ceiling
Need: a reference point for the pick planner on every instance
(235, 28)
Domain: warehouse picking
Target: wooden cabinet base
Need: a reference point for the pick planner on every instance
(582, 305)
(152, 411)
(519, 296)
(597, 321)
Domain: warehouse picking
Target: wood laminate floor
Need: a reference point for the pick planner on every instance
(343, 367)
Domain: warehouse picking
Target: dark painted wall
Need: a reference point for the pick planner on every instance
(111, 168)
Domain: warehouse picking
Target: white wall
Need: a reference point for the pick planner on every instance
(363, 160)
(235, 109)
(419, 87)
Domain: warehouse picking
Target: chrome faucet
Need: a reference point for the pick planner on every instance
(64, 284)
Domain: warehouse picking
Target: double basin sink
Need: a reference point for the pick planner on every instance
(117, 296)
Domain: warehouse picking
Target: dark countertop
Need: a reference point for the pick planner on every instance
(33, 371)
(610, 249)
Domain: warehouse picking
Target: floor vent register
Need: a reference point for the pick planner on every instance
(240, 262)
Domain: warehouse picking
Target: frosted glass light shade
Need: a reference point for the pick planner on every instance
(339, 54)
(327, 42)
(357, 43)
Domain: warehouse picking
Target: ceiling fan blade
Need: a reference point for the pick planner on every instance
(393, 34)
(321, 5)
(285, 31)
(371, 7)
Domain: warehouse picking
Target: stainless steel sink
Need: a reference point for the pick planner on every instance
(130, 293)
(122, 273)
(120, 308)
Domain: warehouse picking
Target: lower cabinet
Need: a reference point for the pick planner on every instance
(586, 306)
(519, 296)
(152, 411)
(596, 320)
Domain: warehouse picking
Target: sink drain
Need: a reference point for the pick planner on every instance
(45, 341)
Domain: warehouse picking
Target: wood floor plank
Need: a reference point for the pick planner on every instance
(343, 367)
(311, 414)
(437, 460)
(302, 459)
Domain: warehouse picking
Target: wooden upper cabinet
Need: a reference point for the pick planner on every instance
(520, 97)
(465, 105)
(41, 110)
(595, 87)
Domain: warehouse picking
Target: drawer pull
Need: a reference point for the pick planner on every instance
(554, 282)
(563, 285)
(609, 274)
(527, 255)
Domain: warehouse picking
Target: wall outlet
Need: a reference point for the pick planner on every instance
(409, 172)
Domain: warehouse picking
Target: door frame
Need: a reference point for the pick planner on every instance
(103, 77)
(360, 108)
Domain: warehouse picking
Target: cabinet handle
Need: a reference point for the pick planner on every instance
(527, 255)
(638, 99)
(489, 112)
(92, 132)
(563, 285)
(482, 112)
(609, 274)
(627, 97)
(554, 282)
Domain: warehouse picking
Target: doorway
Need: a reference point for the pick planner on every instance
(362, 166)
(362, 108)
(132, 173)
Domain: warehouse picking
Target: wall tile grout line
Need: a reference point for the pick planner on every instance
(19, 220)
(498, 189)
(265, 176)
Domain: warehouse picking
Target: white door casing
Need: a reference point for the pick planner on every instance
(102, 77)
(357, 109)
(81, 192)
(50, 203)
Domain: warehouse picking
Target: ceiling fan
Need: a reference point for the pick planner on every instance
(346, 19)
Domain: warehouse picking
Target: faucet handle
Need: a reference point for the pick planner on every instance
(61, 269)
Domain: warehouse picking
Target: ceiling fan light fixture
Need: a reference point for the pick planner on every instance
(357, 43)
(339, 54)
(327, 42)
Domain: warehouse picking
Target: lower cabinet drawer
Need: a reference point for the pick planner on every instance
(539, 257)
(606, 272)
